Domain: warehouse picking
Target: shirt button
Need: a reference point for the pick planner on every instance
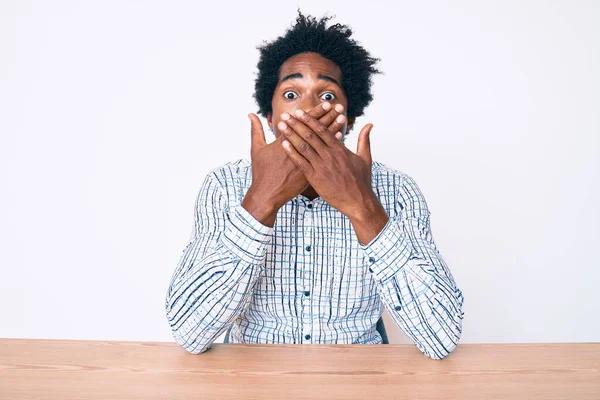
(308, 248)
(370, 269)
(309, 206)
(307, 337)
(398, 308)
(307, 293)
(371, 260)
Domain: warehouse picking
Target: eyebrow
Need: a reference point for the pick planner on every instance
(298, 75)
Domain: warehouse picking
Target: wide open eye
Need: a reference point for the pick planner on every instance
(288, 94)
(328, 96)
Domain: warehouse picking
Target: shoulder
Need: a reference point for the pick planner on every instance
(239, 166)
(230, 178)
(396, 187)
(384, 174)
(231, 171)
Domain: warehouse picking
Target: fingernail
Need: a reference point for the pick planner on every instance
(340, 119)
(339, 108)
(338, 135)
(326, 106)
(282, 125)
(299, 112)
(285, 116)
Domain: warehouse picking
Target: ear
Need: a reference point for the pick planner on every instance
(351, 121)
(270, 120)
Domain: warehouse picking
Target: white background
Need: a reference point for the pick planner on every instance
(112, 113)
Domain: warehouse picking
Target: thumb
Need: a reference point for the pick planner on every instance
(257, 139)
(363, 149)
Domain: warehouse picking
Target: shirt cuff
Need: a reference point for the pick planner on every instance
(245, 236)
(387, 252)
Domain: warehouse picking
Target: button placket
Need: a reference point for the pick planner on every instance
(371, 261)
(309, 267)
(300, 265)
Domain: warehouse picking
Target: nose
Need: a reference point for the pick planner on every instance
(308, 103)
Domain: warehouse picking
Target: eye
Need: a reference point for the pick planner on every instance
(330, 96)
(288, 94)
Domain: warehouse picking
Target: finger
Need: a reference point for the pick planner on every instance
(326, 113)
(309, 127)
(286, 127)
(305, 133)
(338, 124)
(302, 163)
(321, 110)
(257, 139)
(330, 117)
(363, 149)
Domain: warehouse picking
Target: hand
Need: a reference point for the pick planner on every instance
(341, 178)
(275, 178)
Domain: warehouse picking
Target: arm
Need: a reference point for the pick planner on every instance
(218, 270)
(415, 283)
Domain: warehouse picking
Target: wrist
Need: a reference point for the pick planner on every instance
(261, 208)
(369, 222)
(367, 210)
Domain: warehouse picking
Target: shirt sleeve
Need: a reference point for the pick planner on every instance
(415, 283)
(216, 275)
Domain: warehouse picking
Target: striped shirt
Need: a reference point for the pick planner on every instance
(308, 279)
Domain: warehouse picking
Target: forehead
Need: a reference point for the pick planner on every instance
(310, 64)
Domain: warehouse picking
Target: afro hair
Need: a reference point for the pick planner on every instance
(333, 43)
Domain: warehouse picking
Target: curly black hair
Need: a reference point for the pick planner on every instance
(333, 43)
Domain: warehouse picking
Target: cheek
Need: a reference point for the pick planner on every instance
(276, 118)
(276, 130)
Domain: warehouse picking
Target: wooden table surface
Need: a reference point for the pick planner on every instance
(78, 369)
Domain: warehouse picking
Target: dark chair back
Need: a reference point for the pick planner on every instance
(381, 329)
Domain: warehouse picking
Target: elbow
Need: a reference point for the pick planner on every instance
(439, 352)
(189, 341)
(445, 352)
(186, 333)
(444, 344)
(448, 342)
(194, 347)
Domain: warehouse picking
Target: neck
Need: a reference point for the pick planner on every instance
(310, 193)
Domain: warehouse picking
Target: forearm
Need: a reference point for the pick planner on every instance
(426, 305)
(369, 220)
(260, 207)
(200, 310)
(416, 285)
(214, 281)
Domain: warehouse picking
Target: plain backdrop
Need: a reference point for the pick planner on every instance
(112, 113)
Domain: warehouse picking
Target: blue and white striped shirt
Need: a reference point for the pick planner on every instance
(308, 279)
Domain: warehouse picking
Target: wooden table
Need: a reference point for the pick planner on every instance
(64, 369)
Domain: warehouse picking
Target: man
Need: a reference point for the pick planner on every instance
(308, 241)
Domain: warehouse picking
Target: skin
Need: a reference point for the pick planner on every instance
(314, 162)
(275, 178)
(309, 91)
